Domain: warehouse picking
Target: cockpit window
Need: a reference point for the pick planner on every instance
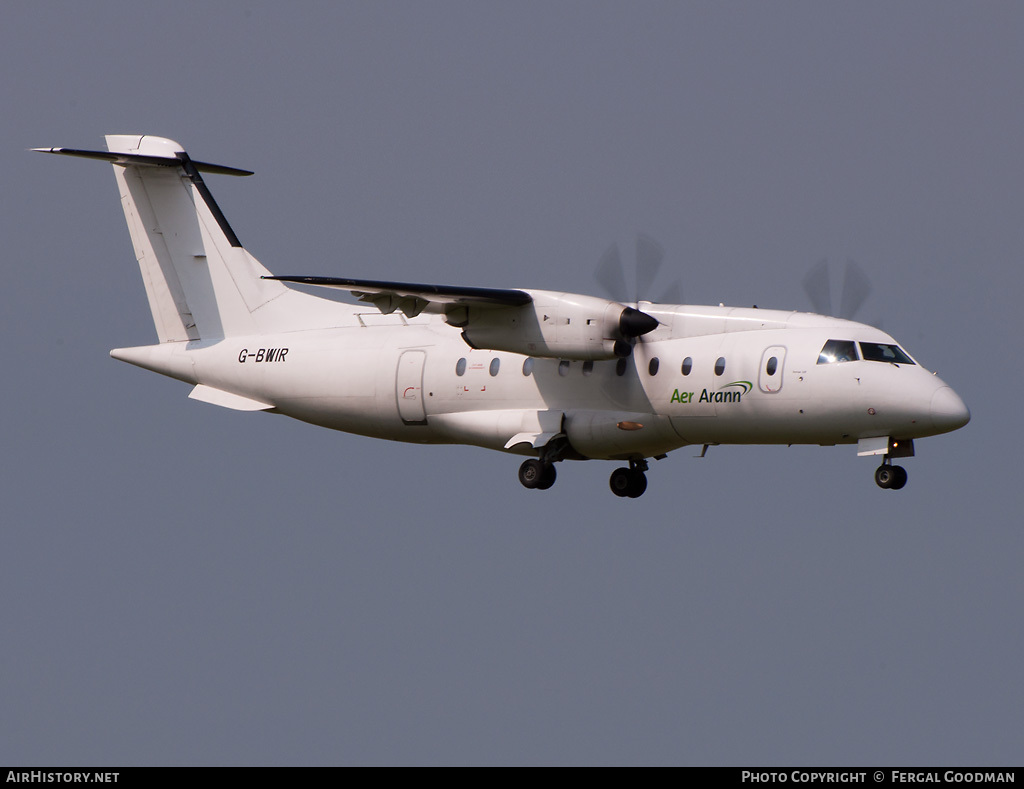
(879, 352)
(838, 351)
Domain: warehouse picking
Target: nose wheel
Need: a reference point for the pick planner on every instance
(537, 475)
(629, 482)
(890, 477)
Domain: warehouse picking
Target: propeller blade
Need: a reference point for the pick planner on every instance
(673, 294)
(856, 289)
(611, 276)
(818, 287)
(649, 255)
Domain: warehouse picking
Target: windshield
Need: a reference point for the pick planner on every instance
(880, 352)
(838, 351)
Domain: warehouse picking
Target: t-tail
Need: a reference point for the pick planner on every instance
(200, 281)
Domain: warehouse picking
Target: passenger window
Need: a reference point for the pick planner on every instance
(528, 366)
(563, 368)
(495, 366)
(878, 352)
(652, 368)
(720, 365)
(460, 366)
(687, 365)
(772, 366)
(838, 351)
(588, 367)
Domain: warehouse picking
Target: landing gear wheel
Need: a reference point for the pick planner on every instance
(626, 482)
(548, 477)
(619, 482)
(890, 477)
(537, 474)
(531, 473)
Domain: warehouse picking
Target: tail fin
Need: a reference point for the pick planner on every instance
(200, 281)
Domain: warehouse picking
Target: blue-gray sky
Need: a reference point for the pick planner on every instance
(182, 584)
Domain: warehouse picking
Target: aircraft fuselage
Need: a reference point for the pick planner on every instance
(751, 377)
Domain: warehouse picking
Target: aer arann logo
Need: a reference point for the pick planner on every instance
(725, 394)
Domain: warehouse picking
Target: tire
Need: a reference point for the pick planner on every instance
(548, 477)
(620, 482)
(531, 473)
(638, 484)
(901, 478)
(885, 476)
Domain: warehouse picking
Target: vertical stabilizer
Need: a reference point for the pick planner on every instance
(200, 281)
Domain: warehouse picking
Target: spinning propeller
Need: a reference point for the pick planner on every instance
(611, 276)
(855, 289)
(611, 273)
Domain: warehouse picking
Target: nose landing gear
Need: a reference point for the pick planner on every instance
(890, 477)
(887, 476)
(629, 482)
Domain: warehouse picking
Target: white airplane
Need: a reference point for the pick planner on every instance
(552, 376)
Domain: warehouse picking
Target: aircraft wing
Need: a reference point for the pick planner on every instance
(529, 322)
(411, 298)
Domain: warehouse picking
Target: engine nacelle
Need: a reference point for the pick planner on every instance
(555, 325)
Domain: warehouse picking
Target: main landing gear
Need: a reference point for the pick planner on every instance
(536, 474)
(629, 482)
(889, 476)
(539, 474)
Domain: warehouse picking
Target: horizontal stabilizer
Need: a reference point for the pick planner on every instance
(412, 298)
(115, 157)
(207, 394)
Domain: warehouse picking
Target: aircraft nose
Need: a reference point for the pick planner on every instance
(948, 410)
